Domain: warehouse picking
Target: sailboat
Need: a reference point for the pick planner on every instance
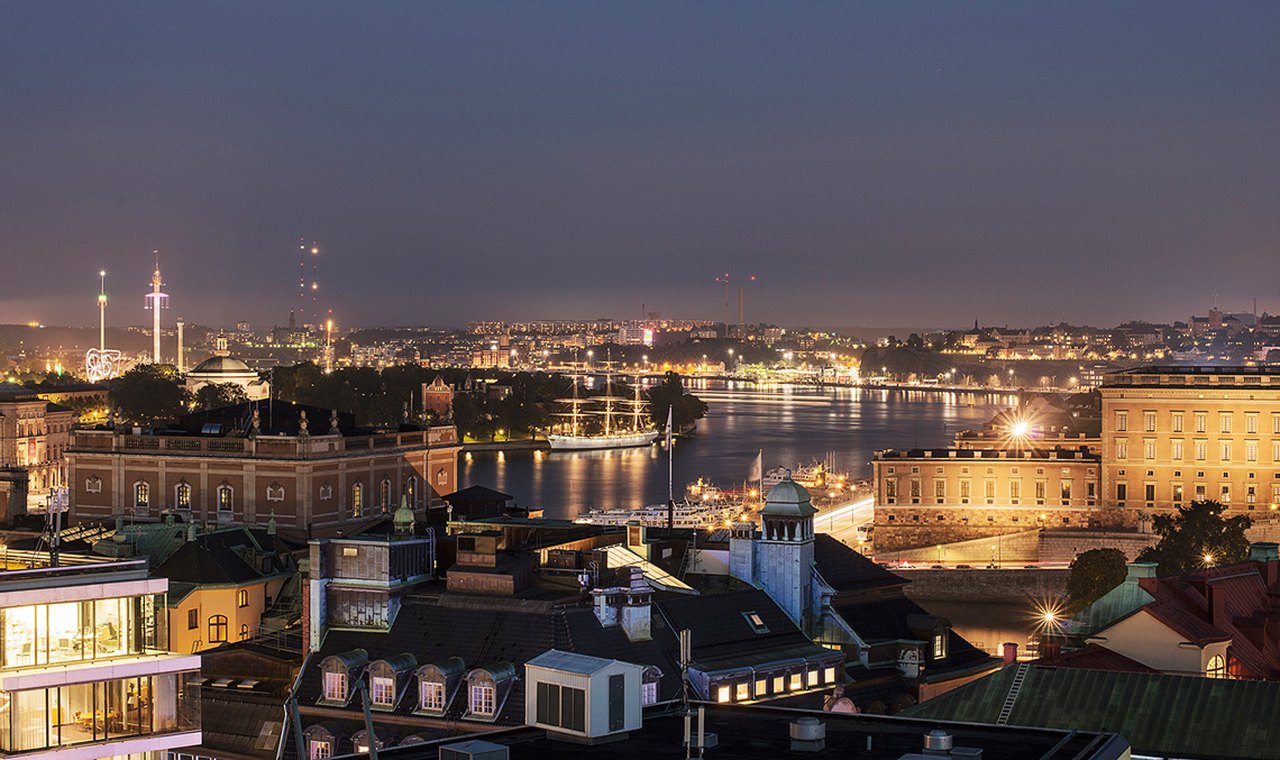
(639, 433)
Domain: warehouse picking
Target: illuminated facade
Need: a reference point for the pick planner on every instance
(926, 497)
(1166, 436)
(85, 670)
(1172, 435)
(34, 436)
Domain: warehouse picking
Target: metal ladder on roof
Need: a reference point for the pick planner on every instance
(1012, 696)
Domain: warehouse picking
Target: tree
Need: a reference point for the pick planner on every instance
(148, 394)
(686, 408)
(1198, 535)
(1094, 573)
(215, 395)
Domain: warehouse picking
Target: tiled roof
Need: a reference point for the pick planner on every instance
(1162, 715)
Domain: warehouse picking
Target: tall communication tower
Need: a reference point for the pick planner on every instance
(102, 310)
(311, 251)
(155, 301)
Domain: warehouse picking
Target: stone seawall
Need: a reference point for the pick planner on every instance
(1018, 586)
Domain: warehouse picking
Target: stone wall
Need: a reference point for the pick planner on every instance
(901, 527)
(1019, 586)
(1064, 545)
(1010, 547)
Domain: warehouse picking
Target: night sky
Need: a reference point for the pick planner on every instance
(874, 163)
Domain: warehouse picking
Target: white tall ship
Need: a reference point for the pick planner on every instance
(614, 436)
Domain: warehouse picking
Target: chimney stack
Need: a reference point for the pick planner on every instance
(1010, 652)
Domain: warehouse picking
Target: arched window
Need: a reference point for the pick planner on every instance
(226, 496)
(384, 494)
(357, 499)
(242, 597)
(1217, 667)
(141, 495)
(244, 632)
(411, 490)
(182, 495)
(217, 629)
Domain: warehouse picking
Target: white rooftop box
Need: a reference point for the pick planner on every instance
(582, 696)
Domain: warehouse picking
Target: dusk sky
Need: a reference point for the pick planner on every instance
(874, 163)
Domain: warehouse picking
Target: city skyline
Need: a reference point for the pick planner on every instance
(873, 165)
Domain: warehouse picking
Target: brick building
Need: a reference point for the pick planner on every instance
(310, 468)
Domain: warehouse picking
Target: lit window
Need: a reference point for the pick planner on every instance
(797, 682)
(939, 646)
(384, 494)
(482, 701)
(225, 496)
(335, 686)
(779, 684)
(431, 695)
(743, 691)
(357, 499)
(244, 632)
(762, 687)
(242, 598)
(1216, 668)
(217, 629)
(141, 495)
(182, 495)
(815, 677)
(722, 694)
(382, 691)
(649, 694)
(829, 675)
(319, 750)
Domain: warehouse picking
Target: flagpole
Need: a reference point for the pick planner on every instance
(671, 497)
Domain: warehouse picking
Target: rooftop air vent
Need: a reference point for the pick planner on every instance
(808, 735)
(938, 742)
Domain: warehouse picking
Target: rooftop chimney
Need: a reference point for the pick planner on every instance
(1010, 652)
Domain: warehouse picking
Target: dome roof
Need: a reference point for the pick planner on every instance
(221, 365)
(788, 499)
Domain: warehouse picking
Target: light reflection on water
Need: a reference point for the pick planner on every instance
(791, 424)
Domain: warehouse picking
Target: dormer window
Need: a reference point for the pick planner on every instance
(487, 689)
(388, 679)
(940, 645)
(336, 672)
(437, 684)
